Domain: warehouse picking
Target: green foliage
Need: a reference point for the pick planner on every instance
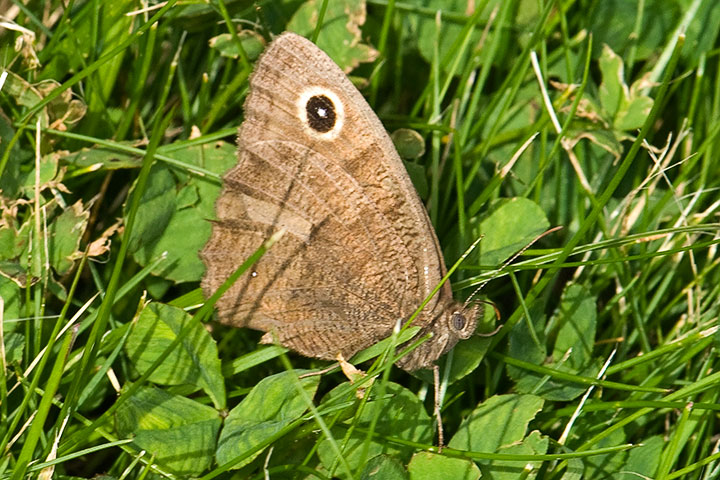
(195, 363)
(267, 409)
(605, 363)
(180, 432)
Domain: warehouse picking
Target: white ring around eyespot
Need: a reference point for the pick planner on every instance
(301, 105)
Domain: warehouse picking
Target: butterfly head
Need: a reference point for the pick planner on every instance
(454, 323)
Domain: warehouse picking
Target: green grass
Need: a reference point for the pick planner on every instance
(115, 130)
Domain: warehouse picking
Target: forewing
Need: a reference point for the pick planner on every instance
(359, 252)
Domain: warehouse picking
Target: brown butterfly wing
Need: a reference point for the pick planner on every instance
(359, 252)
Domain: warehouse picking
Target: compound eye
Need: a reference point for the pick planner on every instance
(457, 320)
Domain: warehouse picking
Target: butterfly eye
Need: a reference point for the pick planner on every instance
(457, 320)
(321, 115)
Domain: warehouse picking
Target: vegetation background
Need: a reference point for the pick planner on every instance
(601, 116)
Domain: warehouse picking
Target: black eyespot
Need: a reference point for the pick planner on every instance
(320, 113)
(457, 320)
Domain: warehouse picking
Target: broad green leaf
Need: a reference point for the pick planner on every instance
(552, 389)
(430, 466)
(48, 174)
(612, 22)
(633, 114)
(603, 138)
(14, 345)
(626, 108)
(511, 225)
(643, 461)
(10, 176)
(24, 93)
(419, 178)
(613, 90)
(187, 197)
(194, 362)
(382, 467)
(576, 318)
(156, 208)
(498, 422)
(609, 465)
(401, 415)
(533, 444)
(179, 432)
(12, 302)
(340, 34)
(270, 406)
(467, 354)
(174, 219)
(408, 143)
(13, 239)
(575, 324)
(252, 43)
(64, 236)
(425, 28)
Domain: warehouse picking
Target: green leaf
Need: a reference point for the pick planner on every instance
(24, 93)
(156, 208)
(10, 176)
(612, 22)
(174, 218)
(12, 302)
(252, 43)
(418, 177)
(576, 317)
(401, 415)
(533, 444)
(643, 461)
(48, 171)
(551, 389)
(498, 422)
(340, 35)
(424, 28)
(613, 90)
(575, 322)
(633, 114)
(13, 239)
(383, 467)
(408, 143)
(14, 345)
(64, 236)
(106, 158)
(194, 362)
(625, 108)
(270, 406)
(603, 138)
(511, 225)
(180, 433)
(609, 465)
(430, 466)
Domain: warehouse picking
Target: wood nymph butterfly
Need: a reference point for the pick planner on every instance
(359, 252)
